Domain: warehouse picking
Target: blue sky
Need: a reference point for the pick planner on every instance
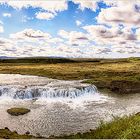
(64, 20)
(74, 28)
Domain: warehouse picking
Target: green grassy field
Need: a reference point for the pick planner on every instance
(118, 75)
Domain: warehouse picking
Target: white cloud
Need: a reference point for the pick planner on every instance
(124, 12)
(90, 4)
(107, 39)
(74, 38)
(78, 23)
(49, 5)
(7, 14)
(30, 34)
(138, 33)
(121, 2)
(45, 15)
(1, 29)
(128, 48)
(109, 36)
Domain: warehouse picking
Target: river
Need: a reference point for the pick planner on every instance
(59, 107)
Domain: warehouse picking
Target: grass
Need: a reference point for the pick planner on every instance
(18, 111)
(7, 134)
(119, 128)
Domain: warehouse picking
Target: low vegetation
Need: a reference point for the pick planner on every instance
(117, 75)
(7, 134)
(18, 111)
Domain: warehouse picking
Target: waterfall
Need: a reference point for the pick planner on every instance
(33, 92)
(17, 86)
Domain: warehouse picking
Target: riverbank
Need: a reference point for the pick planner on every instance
(117, 75)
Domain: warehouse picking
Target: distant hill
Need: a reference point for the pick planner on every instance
(54, 60)
(35, 60)
(4, 57)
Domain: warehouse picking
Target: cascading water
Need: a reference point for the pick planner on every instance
(32, 92)
(33, 87)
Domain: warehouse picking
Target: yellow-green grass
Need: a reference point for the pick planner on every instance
(7, 134)
(71, 71)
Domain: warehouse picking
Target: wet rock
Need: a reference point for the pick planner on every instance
(6, 128)
(138, 114)
(27, 133)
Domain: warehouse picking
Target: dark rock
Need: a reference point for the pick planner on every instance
(6, 128)
(27, 133)
(138, 114)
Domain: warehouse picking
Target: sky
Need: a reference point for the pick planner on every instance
(70, 28)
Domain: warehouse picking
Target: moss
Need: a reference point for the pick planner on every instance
(18, 111)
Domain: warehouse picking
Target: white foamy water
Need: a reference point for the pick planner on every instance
(34, 87)
(58, 107)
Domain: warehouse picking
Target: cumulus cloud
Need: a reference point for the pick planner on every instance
(45, 15)
(74, 38)
(73, 35)
(109, 36)
(52, 6)
(7, 14)
(31, 34)
(128, 48)
(23, 49)
(122, 12)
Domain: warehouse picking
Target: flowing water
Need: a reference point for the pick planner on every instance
(58, 107)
